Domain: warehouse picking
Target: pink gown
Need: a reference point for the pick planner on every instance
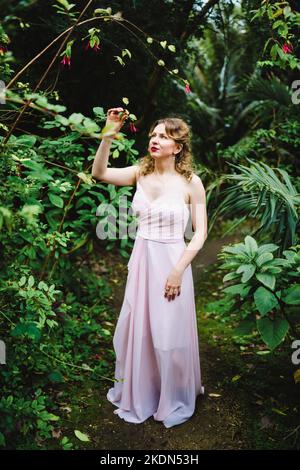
(157, 369)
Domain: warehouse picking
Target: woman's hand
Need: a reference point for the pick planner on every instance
(115, 120)
(173, 284)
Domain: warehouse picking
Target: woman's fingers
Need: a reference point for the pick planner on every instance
(171, 296)
(172, 292)
(113, 115)
(115, 110)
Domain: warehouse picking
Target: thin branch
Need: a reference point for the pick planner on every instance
(46, 72)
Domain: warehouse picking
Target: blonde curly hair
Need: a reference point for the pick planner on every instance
(178, 130)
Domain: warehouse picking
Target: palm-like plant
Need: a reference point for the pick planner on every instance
(263, 99)
(257, 191)
(227, 103)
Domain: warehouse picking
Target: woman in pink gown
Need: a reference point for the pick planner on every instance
(157, 367)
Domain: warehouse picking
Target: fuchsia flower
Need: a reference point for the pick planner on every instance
(66, 60)
(187, 88)
(132, 127)
(287, 48)
(95, 47)
(3, 49)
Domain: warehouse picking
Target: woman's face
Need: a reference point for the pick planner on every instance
(160, 145)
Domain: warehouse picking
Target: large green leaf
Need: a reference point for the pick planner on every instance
(248, 270)
(230, 276)
(245, 327)
(272, 331)
(266, 279)
(264, 300)
(56, 200)
(264, 258)
(81, 436)
(33, 332)
(76, 118)
(27, 140)
(238, 249)
(251, 245)
(90, 125)
(292, 295)
(240, 289)
(29, 329)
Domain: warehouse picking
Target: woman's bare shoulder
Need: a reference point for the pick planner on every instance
(137, 172)
(196, 188)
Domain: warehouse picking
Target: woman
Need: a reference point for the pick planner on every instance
(156, 341)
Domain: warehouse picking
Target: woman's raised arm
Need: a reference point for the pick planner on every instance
(117, 176)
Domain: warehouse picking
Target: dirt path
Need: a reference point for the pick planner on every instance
(219, 422)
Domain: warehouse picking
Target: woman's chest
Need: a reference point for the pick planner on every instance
(168, 192)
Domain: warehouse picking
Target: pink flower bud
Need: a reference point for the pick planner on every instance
(132, 127)
(287, 48)
(66, 60)
(187, 88)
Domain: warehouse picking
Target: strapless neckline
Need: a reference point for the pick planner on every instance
(139, 186)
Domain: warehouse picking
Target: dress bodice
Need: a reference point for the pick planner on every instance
(164, 219)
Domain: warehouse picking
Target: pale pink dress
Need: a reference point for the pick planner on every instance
(156, 340)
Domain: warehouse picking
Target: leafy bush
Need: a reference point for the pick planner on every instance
(53, 309)
(264, 291)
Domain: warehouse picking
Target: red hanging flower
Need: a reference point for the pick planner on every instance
(95, 47)
(132, 127)
(66, 61)
(187, 88)
(3, 49)
(287, 48)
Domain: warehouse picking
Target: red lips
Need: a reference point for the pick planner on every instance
(154, 148)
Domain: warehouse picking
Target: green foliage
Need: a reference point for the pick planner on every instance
(50, 301)
(31, 415)
(66, 443)
(284, 22)
(263, 290)
(267, 194)
(52, 305)
(50, 337)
